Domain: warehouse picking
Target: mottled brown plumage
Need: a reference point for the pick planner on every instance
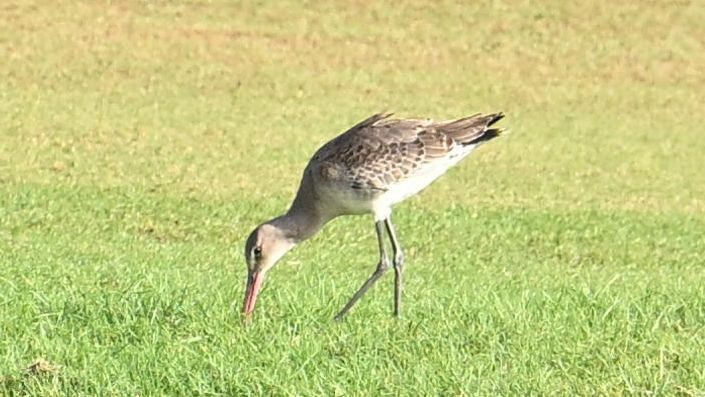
(378, 152)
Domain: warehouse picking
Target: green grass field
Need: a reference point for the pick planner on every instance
(141, 142)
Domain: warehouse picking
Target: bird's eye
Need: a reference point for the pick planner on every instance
(257, 251)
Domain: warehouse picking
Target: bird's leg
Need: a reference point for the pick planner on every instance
(398, 263)
(382, 268)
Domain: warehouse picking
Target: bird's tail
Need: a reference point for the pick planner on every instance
(473, 129)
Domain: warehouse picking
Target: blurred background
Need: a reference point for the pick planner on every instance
(604, 99)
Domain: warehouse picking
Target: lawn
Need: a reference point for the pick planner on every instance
(141, 142)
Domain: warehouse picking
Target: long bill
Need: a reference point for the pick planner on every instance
(254, 284)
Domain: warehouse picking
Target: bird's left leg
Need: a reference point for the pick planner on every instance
(398, 263)
(382, 268)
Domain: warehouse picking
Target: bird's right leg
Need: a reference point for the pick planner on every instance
(382, 268)
(398, 263)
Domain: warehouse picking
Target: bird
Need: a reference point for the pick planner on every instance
(375, 164)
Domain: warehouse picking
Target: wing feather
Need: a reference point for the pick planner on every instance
(378, 152)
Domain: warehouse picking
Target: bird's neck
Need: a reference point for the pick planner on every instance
(297, 226)
(305, 217)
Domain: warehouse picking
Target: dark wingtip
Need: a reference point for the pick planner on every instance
(495, 118)
(492, 133)
(486, 136)
(489, 133)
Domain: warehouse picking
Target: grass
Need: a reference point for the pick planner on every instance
(136, 146)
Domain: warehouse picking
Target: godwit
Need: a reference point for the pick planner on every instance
(367, 169)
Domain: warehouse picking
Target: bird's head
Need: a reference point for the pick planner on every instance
(265, 246)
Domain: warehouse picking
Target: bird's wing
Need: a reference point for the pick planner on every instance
(378, 152)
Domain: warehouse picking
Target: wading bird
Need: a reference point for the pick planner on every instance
(367, 169)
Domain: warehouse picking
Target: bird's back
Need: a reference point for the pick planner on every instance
(381, 161)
